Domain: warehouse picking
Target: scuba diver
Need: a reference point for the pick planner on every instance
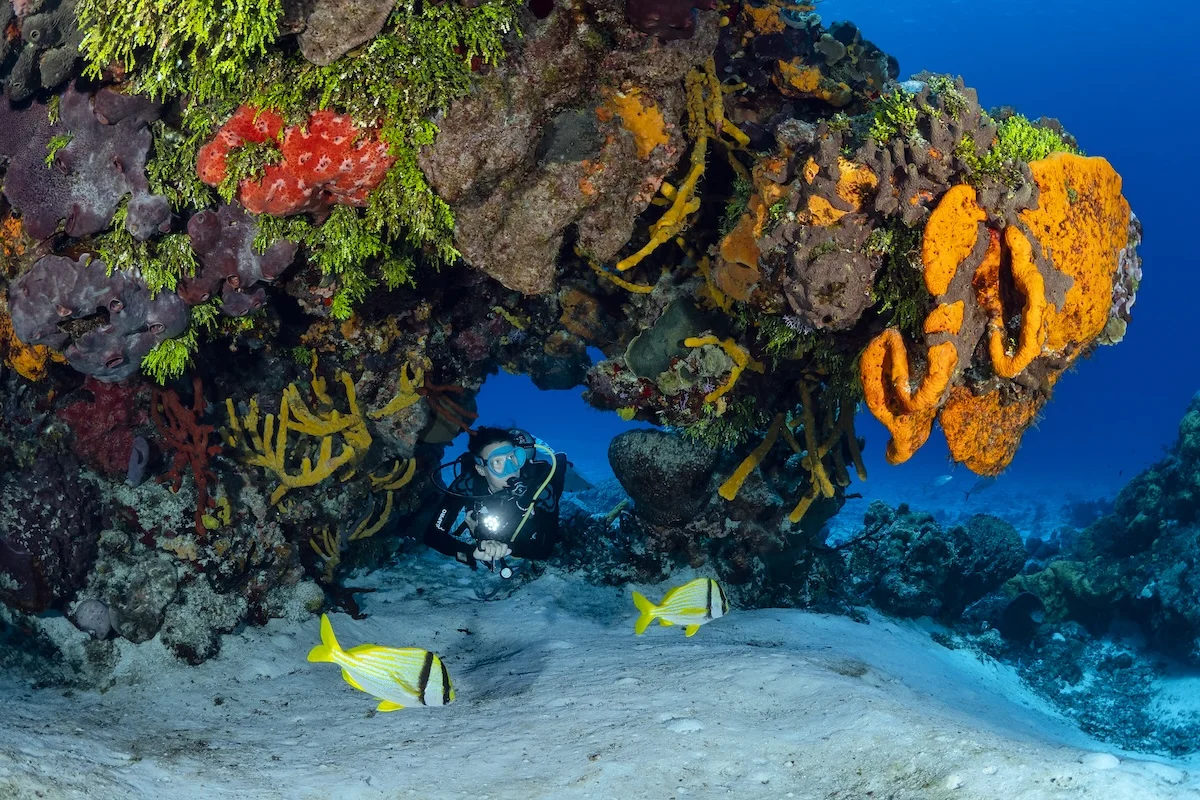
(509, 483)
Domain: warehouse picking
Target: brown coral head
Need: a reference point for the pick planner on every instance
(666, 19)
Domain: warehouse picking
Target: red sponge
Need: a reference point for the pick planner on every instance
(325, 162)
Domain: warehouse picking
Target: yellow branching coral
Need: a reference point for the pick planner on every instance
(408, 394)
(269, 449)
(636, 288)
(812, 463)
(398, 477)
(741, 362)
(328, 547)
(375, 519)
(710, 293)
(733, 484)
(389, 482)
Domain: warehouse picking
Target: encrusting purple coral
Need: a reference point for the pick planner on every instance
(224, 242)
(103, 161)
(50, 520)
(104, 324)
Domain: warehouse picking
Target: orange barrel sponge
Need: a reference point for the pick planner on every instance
(1081, 224)
(887, 388)
(984, 432)
(950, 236)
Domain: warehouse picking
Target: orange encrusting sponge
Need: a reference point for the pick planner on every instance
(887, 389)
(1081, 224)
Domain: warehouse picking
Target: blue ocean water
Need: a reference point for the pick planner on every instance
(1122, 80)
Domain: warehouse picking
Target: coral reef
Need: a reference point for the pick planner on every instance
(50, 520)
(116, 322)
(1110, 690)
(96, 150)
(904, 563)
(1061, 258)
(740, 208)
(1136, 563)
(545, 146)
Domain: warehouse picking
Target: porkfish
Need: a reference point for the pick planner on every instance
(692, 604)
(398, 676)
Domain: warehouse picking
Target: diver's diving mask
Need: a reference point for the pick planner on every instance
(505, 461)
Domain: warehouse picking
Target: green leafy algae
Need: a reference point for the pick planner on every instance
(217, 54)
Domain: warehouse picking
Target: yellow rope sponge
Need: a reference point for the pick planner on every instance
(741, 362)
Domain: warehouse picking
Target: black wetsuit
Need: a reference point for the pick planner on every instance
(535, 539)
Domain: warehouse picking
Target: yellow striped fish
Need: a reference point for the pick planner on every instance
(692, 605)
(398, 676)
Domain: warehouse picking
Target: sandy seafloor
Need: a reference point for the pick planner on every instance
(558, 699)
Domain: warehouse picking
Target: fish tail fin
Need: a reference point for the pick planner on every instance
(329, 643)
(647, 608)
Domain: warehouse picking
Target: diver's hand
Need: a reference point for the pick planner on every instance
(489, 550)
(470, 521)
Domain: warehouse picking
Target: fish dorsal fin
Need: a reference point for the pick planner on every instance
(388, 705)
(348, 678)
(363, 649)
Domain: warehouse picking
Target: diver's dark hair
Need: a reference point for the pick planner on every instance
(484, 435)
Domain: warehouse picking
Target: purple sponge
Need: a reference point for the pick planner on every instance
(666, 19)
(104, 324)
(224, 241)
(104, 161)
